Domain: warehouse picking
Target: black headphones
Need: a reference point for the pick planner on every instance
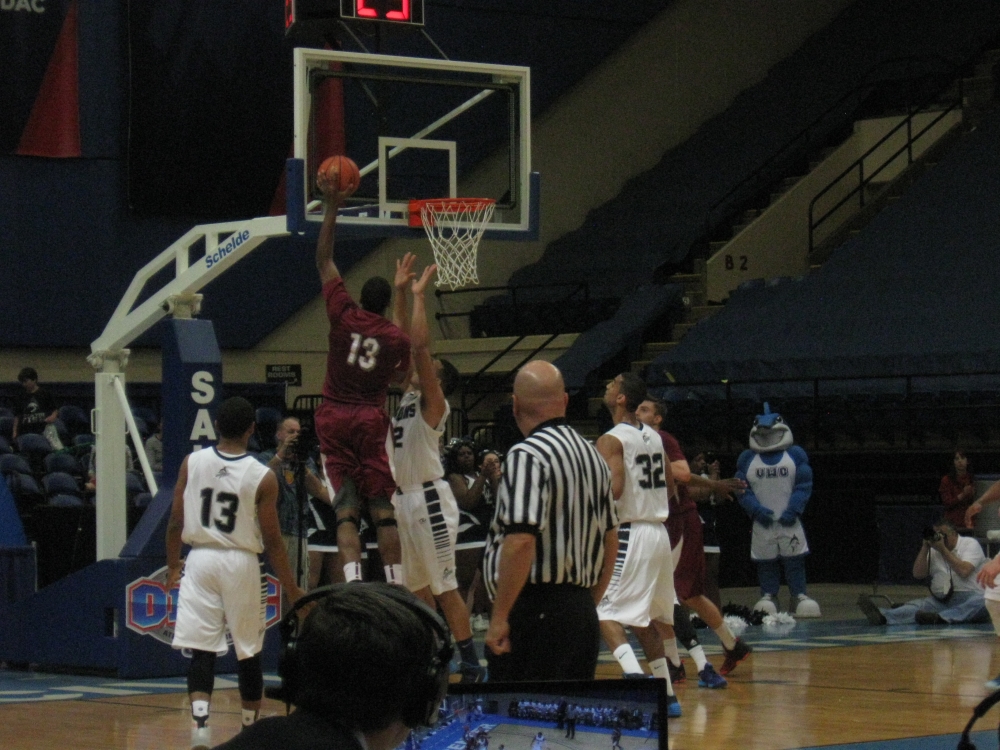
(422, 707)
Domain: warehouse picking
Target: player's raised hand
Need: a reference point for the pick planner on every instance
(419, 285)
(404, 272)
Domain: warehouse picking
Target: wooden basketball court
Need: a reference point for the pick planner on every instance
(824, 683)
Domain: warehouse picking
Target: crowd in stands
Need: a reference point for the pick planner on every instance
(47, 454)
(591, 716)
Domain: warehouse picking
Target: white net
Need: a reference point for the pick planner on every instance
(454, 227)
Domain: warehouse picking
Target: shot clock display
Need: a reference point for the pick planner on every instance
(407, 12)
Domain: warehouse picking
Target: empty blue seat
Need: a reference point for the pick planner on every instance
(33, 444)
(77, 421)
(133, 484)
(11, 463)
(142, 500)
(25, 489)
(60, 483)
(147, 415)
(66, 501)
(65, 462)
(5, 446)
(86, 439)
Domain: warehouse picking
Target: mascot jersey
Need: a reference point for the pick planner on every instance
(779, 481)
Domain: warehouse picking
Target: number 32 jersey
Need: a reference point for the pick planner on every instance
(645, 495)
(365, 350)
(220, 501)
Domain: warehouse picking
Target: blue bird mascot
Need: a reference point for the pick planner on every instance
(779, 484)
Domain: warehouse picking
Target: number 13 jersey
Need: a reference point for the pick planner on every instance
(220, 501)
(644, 497)
(365, 350)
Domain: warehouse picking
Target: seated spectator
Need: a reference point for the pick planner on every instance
(154, 449)
(469, 486)
(90, 486)
(951, 563)
(958, 489)
(35, 408)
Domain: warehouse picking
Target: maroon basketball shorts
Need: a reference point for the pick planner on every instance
(689, 568)
(352, 440)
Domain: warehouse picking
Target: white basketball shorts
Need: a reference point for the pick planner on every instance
(642, 585)
(428, 527)
(220, 589)
(778, 541)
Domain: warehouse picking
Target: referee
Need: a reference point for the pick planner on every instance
(551, 549)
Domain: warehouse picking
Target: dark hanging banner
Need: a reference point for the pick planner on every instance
(210, 116)
(29, 30)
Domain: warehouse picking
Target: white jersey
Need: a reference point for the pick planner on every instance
(644, 497)
(413, 445)
(220, 501)
(772, 484)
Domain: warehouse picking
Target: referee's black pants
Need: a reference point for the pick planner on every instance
(554, 635)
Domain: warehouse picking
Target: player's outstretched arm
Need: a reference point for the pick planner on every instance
(270, 530)
(404, 275)
(610, 449)
(175, 527)
(327, 232)
(434, 403)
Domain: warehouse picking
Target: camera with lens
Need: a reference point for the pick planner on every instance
(932, 536)
(304, 446)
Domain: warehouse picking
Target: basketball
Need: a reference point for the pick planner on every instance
(339, 173)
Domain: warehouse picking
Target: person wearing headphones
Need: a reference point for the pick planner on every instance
(367, 664)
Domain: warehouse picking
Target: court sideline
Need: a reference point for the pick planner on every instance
(836, 682)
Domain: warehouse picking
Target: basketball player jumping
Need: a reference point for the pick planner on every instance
(425, 506)
(642, 585)
(366, 353)
(225, 507)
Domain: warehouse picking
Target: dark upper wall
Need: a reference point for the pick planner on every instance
(70, 237)
(660, 214)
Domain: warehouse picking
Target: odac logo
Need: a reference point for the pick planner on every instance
(152, 610)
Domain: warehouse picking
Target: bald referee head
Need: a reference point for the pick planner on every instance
(539, 395)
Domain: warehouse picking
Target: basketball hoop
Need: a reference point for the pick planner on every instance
(454, 227)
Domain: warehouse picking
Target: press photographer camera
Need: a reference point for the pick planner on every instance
(931, 536)
(303, 446)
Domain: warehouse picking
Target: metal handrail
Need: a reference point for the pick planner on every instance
(859, 163)
(867, 86)
(577, 286)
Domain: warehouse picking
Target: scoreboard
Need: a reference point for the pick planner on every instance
(406, 12)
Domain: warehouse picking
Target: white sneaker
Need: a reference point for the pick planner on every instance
(807, 607)
(201, 738)
(766, 605)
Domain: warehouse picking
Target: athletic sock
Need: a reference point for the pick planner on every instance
(467, 649)
(199, 712)
(249, 716)
(394, 574)
(698, 654)
(659, 668)
(626, 657)
(670, 648)
(726, 636)
(352, 572)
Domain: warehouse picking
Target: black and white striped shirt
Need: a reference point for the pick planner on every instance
(555, 485)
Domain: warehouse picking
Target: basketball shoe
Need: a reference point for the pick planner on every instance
(739, 652)
(709, 678)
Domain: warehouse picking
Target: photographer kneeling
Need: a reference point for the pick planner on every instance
(951, 562)
(298, 480)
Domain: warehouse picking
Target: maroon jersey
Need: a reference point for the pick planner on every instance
(674, 453)
(366, 350)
